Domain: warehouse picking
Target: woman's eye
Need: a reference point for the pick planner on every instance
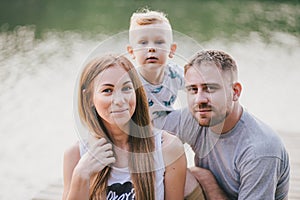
(127, 89)
(107, 90)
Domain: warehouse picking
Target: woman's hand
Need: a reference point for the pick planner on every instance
(78, 170)
(97, 157)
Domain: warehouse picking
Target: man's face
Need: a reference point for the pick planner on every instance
(209, 94)
(151, 44)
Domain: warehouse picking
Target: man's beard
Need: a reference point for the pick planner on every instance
(214, 120)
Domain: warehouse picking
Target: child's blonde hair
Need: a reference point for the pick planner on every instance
(145, 17)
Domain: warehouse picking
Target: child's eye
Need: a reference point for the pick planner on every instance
(160, 42)
(143, 42)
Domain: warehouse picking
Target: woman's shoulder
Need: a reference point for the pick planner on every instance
(172, 147)
(170, 140)
(72, 153)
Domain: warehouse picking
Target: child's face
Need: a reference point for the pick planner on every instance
(151, 44)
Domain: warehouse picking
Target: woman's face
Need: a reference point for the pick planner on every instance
(114, 96)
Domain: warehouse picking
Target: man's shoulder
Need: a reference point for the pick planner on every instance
(257, 127)
(183, 124)
(264, 140)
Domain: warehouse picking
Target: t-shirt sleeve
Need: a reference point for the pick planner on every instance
(259, 179)
(176, 72)
(182, 124)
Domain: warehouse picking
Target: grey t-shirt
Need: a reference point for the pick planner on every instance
(249, 162)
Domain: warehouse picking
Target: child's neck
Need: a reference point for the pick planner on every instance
(153, 76)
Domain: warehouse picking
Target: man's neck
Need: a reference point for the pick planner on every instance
(231, 120)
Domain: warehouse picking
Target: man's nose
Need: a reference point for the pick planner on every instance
(201, 97)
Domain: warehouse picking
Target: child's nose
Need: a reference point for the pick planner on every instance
(151, 49)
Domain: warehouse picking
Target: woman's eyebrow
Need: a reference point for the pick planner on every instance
(107, 84)
(127, 82)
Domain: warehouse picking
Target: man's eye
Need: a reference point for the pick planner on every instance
(210, 89)
(192, 90)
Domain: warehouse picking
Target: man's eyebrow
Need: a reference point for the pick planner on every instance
(211, 84)
(189, 86)
(202, 85)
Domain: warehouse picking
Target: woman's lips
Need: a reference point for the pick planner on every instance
(119, 111)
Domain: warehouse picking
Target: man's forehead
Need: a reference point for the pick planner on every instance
(203, 74)
(205, 69)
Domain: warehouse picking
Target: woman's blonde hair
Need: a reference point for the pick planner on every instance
(141, 141)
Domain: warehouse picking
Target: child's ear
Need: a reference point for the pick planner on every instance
(172, 50)
(130, 51)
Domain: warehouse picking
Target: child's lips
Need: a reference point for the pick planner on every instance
(151, 59)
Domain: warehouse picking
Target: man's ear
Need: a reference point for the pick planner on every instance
(130, 51)
(237, 90)
(172, 50)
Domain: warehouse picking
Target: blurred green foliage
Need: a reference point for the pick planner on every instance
(201, 19)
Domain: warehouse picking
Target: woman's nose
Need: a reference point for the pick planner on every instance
(118, 99)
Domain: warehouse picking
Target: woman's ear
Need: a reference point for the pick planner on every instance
(172, 50)
(237, 90)
(130, 51)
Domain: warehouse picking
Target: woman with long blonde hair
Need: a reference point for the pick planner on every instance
(130, 159)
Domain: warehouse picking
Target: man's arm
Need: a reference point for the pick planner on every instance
(209, 184)
(259, 179)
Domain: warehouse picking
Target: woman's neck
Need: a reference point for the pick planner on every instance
(119, 137)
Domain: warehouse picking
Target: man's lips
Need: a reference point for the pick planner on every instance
(203, 110)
